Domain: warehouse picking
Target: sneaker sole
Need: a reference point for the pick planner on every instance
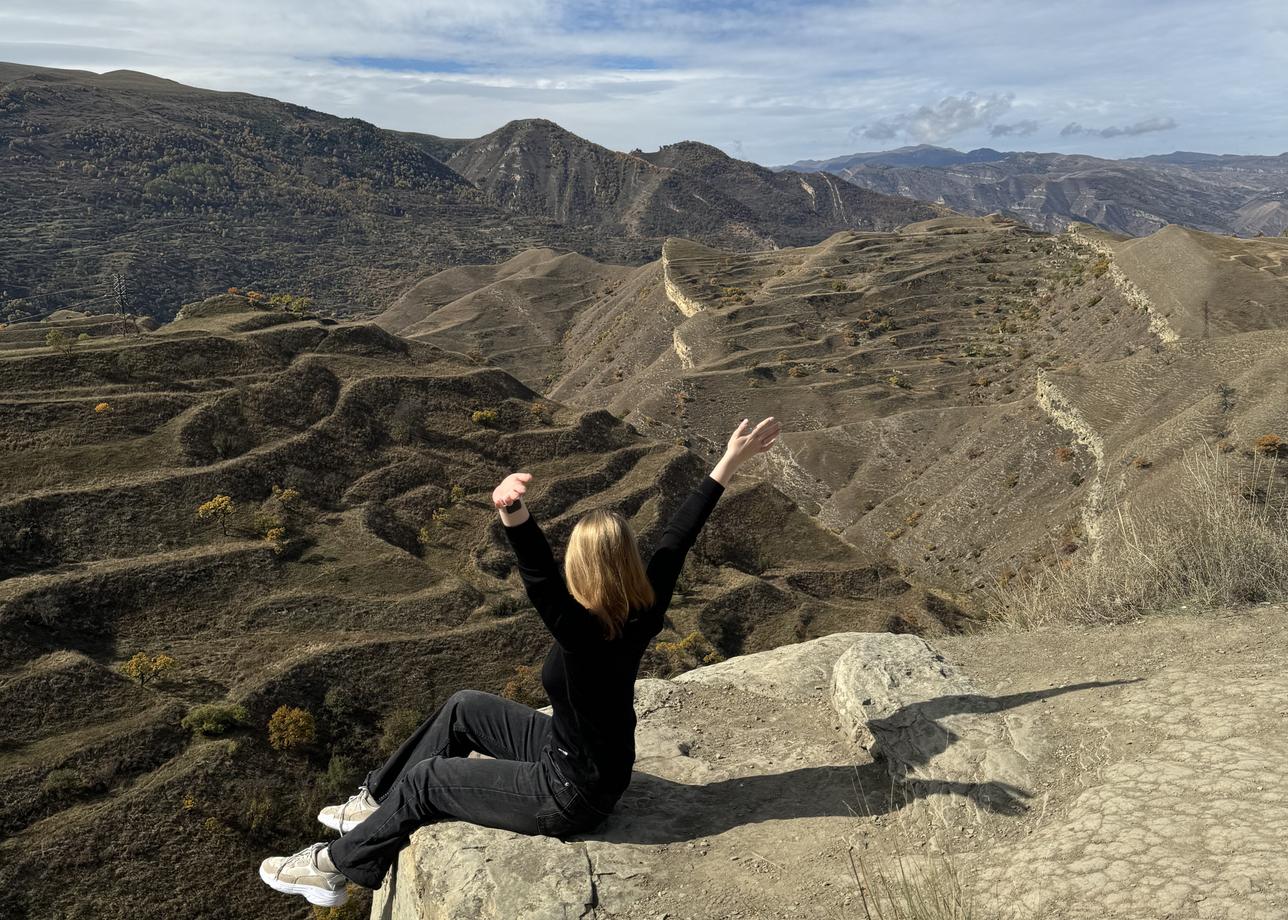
(311, 893)
(342, 826)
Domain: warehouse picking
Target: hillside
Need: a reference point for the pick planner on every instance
(1243, 195)
(185, 192)
(963, 400)
(361, 575)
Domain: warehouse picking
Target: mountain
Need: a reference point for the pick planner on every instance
(689, 189)
(1243, 195)
(919, 155)
(184, 192)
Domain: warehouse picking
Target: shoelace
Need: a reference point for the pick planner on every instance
(307, 853)
(362, 794)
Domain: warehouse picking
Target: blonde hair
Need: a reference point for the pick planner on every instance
(604, 571)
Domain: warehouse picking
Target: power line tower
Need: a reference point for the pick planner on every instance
(124, 323)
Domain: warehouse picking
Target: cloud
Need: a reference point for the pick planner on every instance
(1017, 129)
(1148, 126)
(785, 78)
(950, 116)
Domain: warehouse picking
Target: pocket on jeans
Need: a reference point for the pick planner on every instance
(568, 812)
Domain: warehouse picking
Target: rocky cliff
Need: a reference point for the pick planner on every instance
(1123, 772)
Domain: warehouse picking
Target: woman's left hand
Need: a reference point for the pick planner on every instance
(511, 487)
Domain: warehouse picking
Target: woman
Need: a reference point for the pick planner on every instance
(553, 775)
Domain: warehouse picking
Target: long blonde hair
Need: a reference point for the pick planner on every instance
(604, 571)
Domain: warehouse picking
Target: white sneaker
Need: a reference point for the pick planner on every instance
(346, 817)
(299, 873)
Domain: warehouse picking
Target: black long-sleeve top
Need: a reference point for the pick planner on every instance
(589, 679)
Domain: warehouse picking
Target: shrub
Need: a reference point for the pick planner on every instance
(458, 493)
(266, 521)
(289, 498)
(291, 727)
(220, 508)
(1064, 454)
(484, 417)
(797, 372)
(1221, 541)
(62, 782)
(395, 728)
(1270, 444)
(144, 668)
(215, 718)
(1100, 266)
(58, 340)
(525, 686)
(683, 655)
(102, 407)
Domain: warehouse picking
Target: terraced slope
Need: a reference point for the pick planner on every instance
(931, 381)
(388, 587)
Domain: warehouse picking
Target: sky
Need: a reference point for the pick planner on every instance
(768, 82)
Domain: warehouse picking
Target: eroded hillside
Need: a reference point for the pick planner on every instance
(935, 384)
(359, 571)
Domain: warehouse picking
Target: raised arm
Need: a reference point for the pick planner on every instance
(687, 522)
(567, 620)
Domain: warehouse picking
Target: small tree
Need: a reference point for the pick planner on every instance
(143, 667)
(59, 340)
(220, 508)
(291, 727)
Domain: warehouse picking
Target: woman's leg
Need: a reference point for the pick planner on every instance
(470, 720)
(508, 794)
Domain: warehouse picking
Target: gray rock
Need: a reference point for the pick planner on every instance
(908, 706)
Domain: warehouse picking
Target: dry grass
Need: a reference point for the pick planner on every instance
(904, 889)
(1222, 541)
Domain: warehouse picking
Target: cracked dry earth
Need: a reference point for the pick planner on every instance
(1147, 771)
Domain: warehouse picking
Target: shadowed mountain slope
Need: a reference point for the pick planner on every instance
(688, 189)
(930, 381)
(361, 572)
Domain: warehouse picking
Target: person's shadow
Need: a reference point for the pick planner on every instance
(658, 810)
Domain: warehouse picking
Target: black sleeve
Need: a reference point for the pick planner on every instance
(569, 622)
(679, 537)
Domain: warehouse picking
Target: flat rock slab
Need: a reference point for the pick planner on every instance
(747, 782)
(1151, 757)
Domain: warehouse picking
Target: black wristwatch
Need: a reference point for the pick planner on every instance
(513, 506)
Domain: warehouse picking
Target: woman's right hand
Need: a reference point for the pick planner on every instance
(744, 444)
(511, 487)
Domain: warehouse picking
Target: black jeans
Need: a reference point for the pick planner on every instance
(432, 777)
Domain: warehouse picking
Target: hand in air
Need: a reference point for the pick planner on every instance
(744, 443)
(511, 487)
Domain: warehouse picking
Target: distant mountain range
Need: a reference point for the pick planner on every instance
(1244, 195)
(186, 191)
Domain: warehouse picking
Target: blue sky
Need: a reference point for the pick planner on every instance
(771, 82)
